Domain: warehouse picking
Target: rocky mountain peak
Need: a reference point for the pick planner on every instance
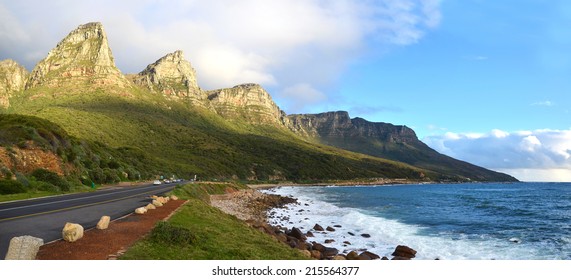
(12, 79)
(250, 102)
(83, 55)
(171, 75)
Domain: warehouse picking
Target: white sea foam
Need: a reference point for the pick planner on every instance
(386, 234)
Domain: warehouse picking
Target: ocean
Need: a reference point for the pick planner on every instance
(477, 221)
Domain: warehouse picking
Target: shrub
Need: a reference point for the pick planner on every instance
(172, 235)
(111, 176)
(22, 179)
(44, 186)
(11, 187)
(52, 178)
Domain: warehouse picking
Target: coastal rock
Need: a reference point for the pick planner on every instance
(316, 254)
(309, 234)
(317, 227)
(339, 258)
(103, 222)
(317, 246)
(353, 255)
(72, 232)
(364, 257)
(282, 237)
(306, 253)
(330, 252)
(402, 251)
(515, 240)
(303, 246)
(328, 241)
(366, 235)
(24, 248)
(295, 232)
(370, 255)
(330, 229)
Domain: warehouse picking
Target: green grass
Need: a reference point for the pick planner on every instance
(208, 234)
(27, 195)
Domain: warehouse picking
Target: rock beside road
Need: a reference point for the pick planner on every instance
(72, 232)
(103, 222)
(24, 248)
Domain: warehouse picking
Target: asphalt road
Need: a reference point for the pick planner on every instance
(45, 217)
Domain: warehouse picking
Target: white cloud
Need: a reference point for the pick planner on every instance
(301, 95)
(279, 43)
(539, 155)
(545, 103)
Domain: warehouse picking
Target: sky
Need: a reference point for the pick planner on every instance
(487, 82)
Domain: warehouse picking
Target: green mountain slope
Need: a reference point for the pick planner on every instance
(187, 140)
(159, 122)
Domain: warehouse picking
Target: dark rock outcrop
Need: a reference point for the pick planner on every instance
(403, 252)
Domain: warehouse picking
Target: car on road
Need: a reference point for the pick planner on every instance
(156, 182)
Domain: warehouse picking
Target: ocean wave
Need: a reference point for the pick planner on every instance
(386, 234)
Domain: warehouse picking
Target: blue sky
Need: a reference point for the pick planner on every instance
(483, 81)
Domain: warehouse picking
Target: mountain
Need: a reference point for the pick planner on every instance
(385, 140)
(162, 118)
(13, 78)
(171, 76)
(249, 102)
(82, 57)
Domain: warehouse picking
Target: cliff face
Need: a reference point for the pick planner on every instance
(13, 78)
(249, 102)
(335, 126)
(171, 76)
(385, 140)
(83, 56)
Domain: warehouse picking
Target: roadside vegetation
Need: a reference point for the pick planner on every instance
(201, 232)
(38, 158)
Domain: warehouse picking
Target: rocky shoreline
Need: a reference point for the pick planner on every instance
(255, 207)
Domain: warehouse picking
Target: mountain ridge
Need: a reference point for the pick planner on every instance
(83, 63)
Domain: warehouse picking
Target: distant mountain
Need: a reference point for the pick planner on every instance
(385, 140)
(162, 115)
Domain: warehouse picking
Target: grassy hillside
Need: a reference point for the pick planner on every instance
(38, 157)
(201, 232)
(174, 137)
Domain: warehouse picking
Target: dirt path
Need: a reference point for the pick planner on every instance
(109, 243)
